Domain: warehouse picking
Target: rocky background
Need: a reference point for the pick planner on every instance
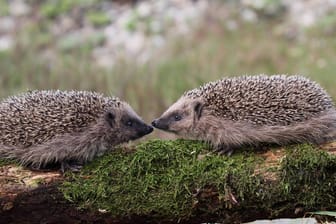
(137, 29)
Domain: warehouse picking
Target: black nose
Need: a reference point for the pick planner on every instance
(145, 130)
(149, 129)
(154, 123)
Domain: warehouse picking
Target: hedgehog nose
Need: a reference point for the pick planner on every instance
(149, 129)
(154, 123)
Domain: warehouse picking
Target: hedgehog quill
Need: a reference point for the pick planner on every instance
(252, 111)
(66, 127)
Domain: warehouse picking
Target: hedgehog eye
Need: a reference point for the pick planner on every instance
(129, 123)
(177, 117)
(110, 116)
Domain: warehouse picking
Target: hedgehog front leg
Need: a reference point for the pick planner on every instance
(74, 166)
(223, 149)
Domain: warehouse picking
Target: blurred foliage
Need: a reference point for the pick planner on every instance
(42, 61)
(3, 8)
(271, 8)
(54, 8)
(74, 42)
(98, 18)
(328, 23)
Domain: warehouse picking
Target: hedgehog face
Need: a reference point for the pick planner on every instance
(124, 124)
(181, 117)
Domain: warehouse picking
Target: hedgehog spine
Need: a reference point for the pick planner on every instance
(253, 110)
(41, 127)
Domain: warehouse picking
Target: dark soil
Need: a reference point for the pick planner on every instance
(46, 205)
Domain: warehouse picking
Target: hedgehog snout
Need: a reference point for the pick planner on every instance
(145, 130)
(155, 123)
(160, 124)
(148, 129)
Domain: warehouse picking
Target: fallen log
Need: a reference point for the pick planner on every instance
(175, 181)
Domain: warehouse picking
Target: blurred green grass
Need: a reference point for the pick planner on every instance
(187, 62)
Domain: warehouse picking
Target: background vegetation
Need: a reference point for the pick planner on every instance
(211, 52)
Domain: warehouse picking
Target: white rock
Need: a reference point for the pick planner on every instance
(104, 57)
(158, 41)
(249, 15)
(6, 43)
(332, 3)
(286, 221)
(144, 9)
(160, 5)
(18, 7)
(125, 18)
(7, 24)
(231, 25)
(156, 26)
(307, 19)
(306, 13)
(135, 43)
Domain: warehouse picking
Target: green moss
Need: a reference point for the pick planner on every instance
(309, 177)
(181, 179)
(162, 178)
(98, 18)
(4, 162)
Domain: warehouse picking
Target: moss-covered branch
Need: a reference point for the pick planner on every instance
(178, 180)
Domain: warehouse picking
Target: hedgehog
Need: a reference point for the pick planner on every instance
(69, 128)
(253, 111)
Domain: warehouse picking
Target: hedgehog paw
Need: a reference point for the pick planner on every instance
(224, 150)
(71, 166)
(39, 168)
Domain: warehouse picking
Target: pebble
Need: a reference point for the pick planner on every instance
(6, 43)
(286, 221)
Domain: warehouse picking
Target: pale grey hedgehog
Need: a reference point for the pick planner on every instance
(253, 110)
(43, 127)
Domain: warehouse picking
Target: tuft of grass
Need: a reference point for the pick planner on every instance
(98, 18)
(325, 213)
(179, 180)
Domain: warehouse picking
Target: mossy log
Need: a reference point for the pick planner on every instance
(175, 181)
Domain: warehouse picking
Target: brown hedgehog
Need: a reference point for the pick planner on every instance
(43, 127)
(253, 110)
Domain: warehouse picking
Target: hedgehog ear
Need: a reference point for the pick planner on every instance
(110, 117)
(198, 107)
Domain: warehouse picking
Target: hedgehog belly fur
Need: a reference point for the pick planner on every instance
(317, 130)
